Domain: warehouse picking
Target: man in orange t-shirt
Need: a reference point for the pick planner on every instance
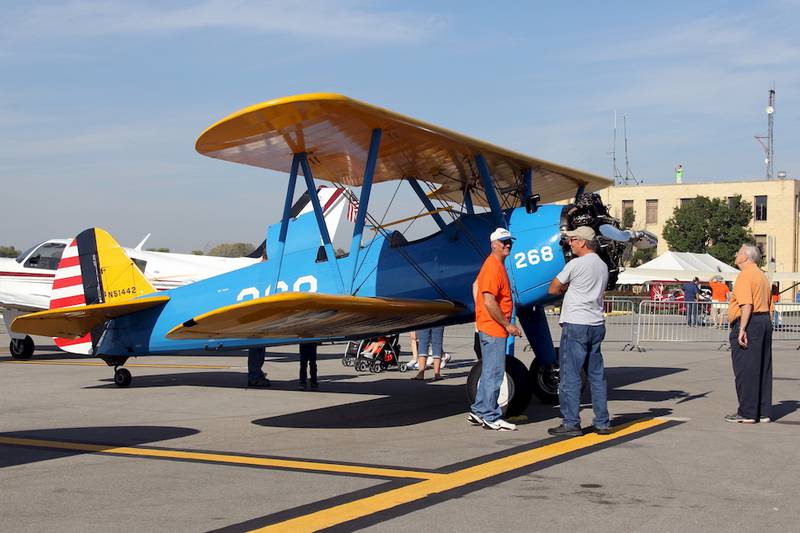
(493, 306)
(751, 339)
(719, 297)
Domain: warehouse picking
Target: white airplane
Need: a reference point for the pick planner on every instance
(26, 283)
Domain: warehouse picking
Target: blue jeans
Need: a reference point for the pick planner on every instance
(691, 313)
(579, 342)
(432, 336)
(493, 359)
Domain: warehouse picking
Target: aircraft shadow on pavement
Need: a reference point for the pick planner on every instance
(622, 376)
(406, 402)
(114, 436)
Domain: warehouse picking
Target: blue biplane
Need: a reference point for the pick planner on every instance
(304, 291)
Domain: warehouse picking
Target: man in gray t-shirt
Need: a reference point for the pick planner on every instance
(583, 282)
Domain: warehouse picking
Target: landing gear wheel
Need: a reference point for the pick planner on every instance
(22, 348)
(545, 379)
(122, 377)
(515, 391)
(362, 366)
(377, 368)
(403, 367)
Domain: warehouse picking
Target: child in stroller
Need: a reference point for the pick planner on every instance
(375, 354)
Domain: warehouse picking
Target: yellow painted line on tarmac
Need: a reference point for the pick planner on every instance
(346, 512)
(133, 365)
(293, 464)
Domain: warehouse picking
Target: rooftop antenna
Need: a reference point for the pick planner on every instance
(629, 177)
(619, 179)
(769, 150)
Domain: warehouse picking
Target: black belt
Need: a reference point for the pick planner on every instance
(760, 313)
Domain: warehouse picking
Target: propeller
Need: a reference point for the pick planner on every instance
(641, 239)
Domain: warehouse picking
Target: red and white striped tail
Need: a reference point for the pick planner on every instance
(68, 292)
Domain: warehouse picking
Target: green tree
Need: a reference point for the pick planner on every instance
(232, 249)
(8, 251)
(628, 218)
(642, 256)
(165, 250)
(197, 252)
(710, 225)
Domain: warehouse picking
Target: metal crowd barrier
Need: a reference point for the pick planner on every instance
(786, 322)
(620, 318)
(660, 321)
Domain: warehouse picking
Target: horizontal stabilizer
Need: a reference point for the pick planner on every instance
(76, 321)
(311, 315)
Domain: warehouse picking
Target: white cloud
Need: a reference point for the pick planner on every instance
(345, 20)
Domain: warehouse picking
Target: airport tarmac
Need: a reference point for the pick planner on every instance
(188, 448)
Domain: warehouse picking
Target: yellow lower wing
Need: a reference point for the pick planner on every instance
(310, 315)
(74, 322)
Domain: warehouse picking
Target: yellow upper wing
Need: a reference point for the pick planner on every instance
(74, 322)
(310, 315)
(335, 133)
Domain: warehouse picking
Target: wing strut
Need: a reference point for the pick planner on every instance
(527, 179)
(287, 209)
(363, 202)
(468, 200)
(323, 228)
(427, 203)
(488, 188)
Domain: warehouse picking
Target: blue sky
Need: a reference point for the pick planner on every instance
(101, 101)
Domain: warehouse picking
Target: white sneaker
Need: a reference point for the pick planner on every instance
(499, 425)
(474, 419)
(445, 358)
(413, 365)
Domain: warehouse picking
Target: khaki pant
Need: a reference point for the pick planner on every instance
(719, 313)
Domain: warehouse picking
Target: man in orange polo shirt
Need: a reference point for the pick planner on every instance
(493, 305)
(751, 339)
(719, 297)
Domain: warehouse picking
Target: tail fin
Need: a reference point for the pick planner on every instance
(94, 269)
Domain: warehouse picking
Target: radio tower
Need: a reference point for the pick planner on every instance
(629, 177)
(769, 150)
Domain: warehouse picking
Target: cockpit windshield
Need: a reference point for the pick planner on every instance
(21, 257)
(47, 256)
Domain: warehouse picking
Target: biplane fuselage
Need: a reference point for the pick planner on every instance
(451, 257)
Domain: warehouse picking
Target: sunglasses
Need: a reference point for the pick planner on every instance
(507, 243)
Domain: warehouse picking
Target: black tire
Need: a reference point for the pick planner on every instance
(122, 377)
(361, 366)
(515, 395)
(22, 348)
(403, 366)
(377, 368)
(544, 381)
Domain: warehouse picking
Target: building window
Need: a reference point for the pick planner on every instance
(627, 204)
(651, 214)
(685, 201)
(761, 244)
(761, 208)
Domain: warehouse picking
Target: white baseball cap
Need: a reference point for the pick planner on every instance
(501, 234)
(582, 232)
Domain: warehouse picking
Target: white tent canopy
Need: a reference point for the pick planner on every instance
(680, 266)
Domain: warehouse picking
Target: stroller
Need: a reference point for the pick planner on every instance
(375, 355)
